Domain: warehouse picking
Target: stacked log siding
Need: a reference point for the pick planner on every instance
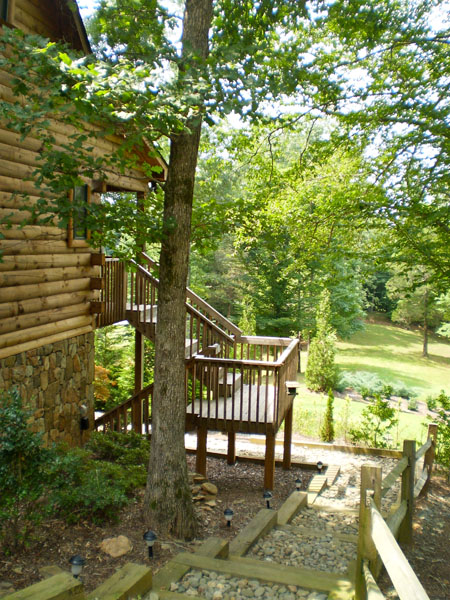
(45, 285)
(48, 286)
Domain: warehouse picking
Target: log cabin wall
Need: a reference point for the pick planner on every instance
(46, 281)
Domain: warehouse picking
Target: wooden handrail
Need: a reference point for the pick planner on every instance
(212, 312)
(402, 576)
(265, 341)
(392, 477)
(422, 450)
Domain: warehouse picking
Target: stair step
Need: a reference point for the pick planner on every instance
(191, 347)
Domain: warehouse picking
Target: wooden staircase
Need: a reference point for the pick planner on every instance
(234, 383)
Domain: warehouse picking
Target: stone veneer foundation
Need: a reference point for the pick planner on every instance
(54, 381)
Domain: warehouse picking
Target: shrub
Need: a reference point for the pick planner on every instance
(327, 429)
(126, 448)
(412, 404)
(368, 385)
(431, 402)
(23, 460)
(87, 488)
(442, 418)
(377, 421)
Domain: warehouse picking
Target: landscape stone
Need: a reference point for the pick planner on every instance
(116, 547)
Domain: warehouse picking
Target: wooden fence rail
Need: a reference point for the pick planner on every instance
(377, 538)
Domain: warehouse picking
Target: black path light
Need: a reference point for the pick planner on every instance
(319, 466)
(150, 538)
(298, 484)
(267, 497)
(76, 565)
(228, 512)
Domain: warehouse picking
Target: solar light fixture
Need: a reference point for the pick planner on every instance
(76, 565)
(298, 484)
(267, 497)
(291, 388)
(150, 538)
(228, 512)
(319, 466)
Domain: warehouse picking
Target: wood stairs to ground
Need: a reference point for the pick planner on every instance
(232, 560)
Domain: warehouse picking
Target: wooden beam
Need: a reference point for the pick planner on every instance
(269, 462)
(370, 487)
(253, 569)
(15, 338)
(22, 322)
(44, 261)
(39, 290)
(291, 506)
(200, 462)
(36, 305)
(30, 247)
(33, 276)
(131, 580)
(41, 341)
(59, 587)
(407, 491)
(287, 438)
(231, 451)
(261, 523)
(405, 581)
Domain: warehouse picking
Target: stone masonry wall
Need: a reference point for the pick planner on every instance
(54, 381)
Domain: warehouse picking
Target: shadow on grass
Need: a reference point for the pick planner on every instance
(383, 335)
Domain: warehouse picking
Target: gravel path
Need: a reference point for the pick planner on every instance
(316, 538)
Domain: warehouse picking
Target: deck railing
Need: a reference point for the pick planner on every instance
(245, 392)
(134, 296)
(113, 294)
(377, 539)
(134, 413)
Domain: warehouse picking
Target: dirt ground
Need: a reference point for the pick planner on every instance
(239, 487)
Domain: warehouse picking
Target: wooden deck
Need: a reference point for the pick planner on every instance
(247, 404)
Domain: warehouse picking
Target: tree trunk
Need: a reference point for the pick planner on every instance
(425, 325)
(168, 496)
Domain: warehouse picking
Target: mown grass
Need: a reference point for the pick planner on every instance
(395, 356)
(309, 411)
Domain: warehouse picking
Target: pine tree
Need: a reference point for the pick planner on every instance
(321, 371)
(327, 430)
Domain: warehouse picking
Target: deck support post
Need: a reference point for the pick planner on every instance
(269, 463)
(287, 438)
(200, 462)
(136, 417)
(231, 454)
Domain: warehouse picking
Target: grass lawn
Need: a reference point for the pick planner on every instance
(309, 411)
(395, 356)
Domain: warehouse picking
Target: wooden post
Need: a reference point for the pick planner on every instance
(370, 486)
(430, 454)
(231, 454)
(136, 417)
(288, 437)
(200, 462)
(407, 491)
(269, 463)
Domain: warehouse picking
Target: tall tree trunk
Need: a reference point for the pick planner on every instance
(425, 324)
(168, 497)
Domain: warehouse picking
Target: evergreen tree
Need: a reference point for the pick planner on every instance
(327, 429)
(321, 371)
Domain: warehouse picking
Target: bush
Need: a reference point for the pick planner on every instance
(368, 385)
(23, 461)
(431, 402)
(377, 421)
(412, 404)
(442, 418)
(126, 448)
(87, 488)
